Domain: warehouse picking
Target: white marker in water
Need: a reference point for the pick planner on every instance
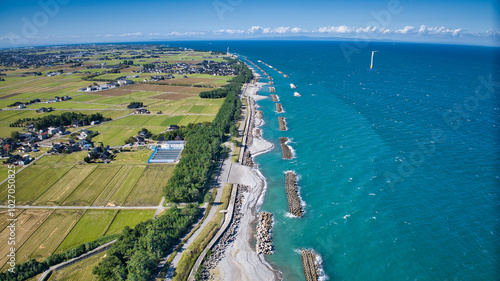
(373, 53)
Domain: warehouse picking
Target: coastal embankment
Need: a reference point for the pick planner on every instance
(240, 260)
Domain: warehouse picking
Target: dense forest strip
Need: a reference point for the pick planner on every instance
(282, 123)
(137, 252)
(279, 108)
(292, 194)
(285, 149)
(309, 265)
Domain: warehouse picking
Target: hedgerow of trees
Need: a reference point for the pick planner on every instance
(64, 119)
(136, 254)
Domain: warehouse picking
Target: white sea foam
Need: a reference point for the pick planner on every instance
(294, 153)
(321, 271)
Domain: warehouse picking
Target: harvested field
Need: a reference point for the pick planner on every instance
(9, 96)
(173, 96)
(88, 190)
(49, 235)
(27, 222)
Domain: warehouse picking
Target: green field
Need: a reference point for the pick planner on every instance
(91, 226)
(31, 183)
(65, 186)
(66, 180)
(149, 187)
(128, 218)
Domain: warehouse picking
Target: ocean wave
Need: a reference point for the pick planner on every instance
(321, 271)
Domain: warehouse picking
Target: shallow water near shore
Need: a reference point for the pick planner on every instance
(393, 189)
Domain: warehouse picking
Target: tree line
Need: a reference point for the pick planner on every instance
(136, 254)
(64, 119)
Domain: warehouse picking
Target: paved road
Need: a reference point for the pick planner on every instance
(221, 180)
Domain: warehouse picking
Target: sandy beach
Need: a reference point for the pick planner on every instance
(240, 261)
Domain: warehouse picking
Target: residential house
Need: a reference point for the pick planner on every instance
(43, 136)
(86, 133)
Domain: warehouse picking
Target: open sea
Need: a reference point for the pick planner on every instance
(398, 165)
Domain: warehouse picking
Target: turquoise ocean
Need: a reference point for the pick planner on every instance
(398, 165)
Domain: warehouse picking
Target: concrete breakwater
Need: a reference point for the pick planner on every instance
(285, 149)
(310, 265)
(275, 97)
(282, 123)
(292, 193)
(279, 108)
(272, 89)
(263, 236)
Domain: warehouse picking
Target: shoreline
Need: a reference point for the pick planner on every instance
(240, 260)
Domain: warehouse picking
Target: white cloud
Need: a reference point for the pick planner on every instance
(131, 34)
(255, 29)
(336, 29)
(441, 31)
(406, 30)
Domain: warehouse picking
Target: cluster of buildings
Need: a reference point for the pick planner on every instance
(119, 83)
(223, 68)
(141, 111)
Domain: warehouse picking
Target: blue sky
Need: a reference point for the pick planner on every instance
(71, 21)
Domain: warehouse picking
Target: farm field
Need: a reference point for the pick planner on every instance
(128, 218)
(45, 240)
(27, 222)
(92, 225)
(45, 232)
(31, 183)
(149, 186)
(65, 179)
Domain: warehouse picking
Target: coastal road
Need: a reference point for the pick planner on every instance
(221, 180)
